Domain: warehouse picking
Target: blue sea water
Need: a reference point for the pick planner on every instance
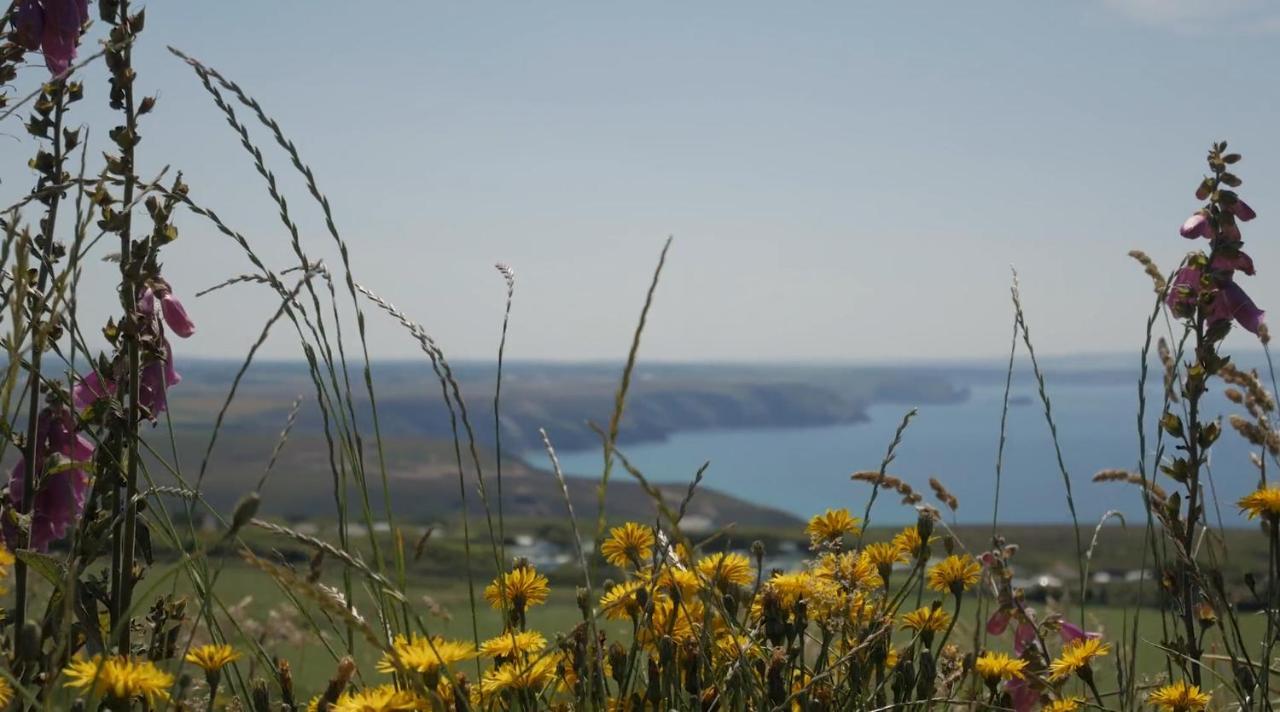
(806, 470)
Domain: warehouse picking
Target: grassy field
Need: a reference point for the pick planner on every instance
(262, 611)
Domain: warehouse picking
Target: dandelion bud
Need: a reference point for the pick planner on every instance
(261, 696)
(28, 643)
(584, 602)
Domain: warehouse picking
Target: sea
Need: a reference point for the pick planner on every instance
(807, 470)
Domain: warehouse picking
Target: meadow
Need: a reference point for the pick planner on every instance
(481, 583)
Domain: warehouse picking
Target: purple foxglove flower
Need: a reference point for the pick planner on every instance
(1233, 303)
(1182, 293)
(1022, 695)
(60, 499)
(1242, 211)
(1023, 637)
(89, 389)
(176, 316)
(1232, 262)
(998, 622)
(1071, 632)
(1196, 226)
(157, 377)
(53, 27)
(30, 24)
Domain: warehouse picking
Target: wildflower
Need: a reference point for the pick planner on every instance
(425, 655)
(829, 527)
(623, 600)
(955, 574)
(994, 667)
(927, 619)
(120, 678)
(628, 545)
(1264, 501)
(63, 484)
(383, 698)
(1196, 226)
(521, 587)
(524, 677)
(684, 581)
(1229, 301)
(910, 541)
(6, 693)
(1179, 697)
(790, 588)
(883, 555)
(999, 621)
(1075, 658)
(726, 569)
(175, 315)
(7, 560)
(850, 569)
(52, 26)
(1066, 704)
(510, 644)
(212, 658)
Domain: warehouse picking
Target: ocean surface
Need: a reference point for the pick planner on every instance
(806, 470)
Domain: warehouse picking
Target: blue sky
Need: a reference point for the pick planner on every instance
(844, 181)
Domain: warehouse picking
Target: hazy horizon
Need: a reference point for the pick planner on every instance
(844, 183)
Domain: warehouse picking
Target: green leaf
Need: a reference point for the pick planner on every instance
(50, 568)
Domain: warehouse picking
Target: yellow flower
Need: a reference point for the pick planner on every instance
(681, 621)
(994, 667)
(383, 698)
(1076, 656)
(954, 574)
(671, 579)
(522, 587)
(532, 676)
(883, 554)
(6, 562)
(848, 568)
(628, 545)
(509, 644)
(1179, 697)
(212, 658)
(926, 619)
(831, 526)
(790, 588)
(1066, 704)
(1263, 501)
(726, 569)
(622, 601)
(909, 541)
(6, 693)
(119, 678)
(423, 655)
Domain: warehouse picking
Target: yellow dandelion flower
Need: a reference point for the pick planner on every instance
(7, 561)
(671, 579)
(1066, 704)
(212, 658)
(1263, 501)
(681, 621)
(522, 587)
(909, 541)
(119, 678)
(531, 676)
(383, 698)
(1179, 697)
(6, 693)
(425, 655)
(926, 619)
(623, 600)
(994, 667)
(831, 526)
(883, 554)
(726, 569)
(1076, 656)
(954, 574)
(790, 588)
(891, 658)
(628, 545)
(509, 644)
(849, 569)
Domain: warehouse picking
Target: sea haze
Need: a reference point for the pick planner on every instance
(806, 470)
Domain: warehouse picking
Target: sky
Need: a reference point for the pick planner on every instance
(843, 181)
